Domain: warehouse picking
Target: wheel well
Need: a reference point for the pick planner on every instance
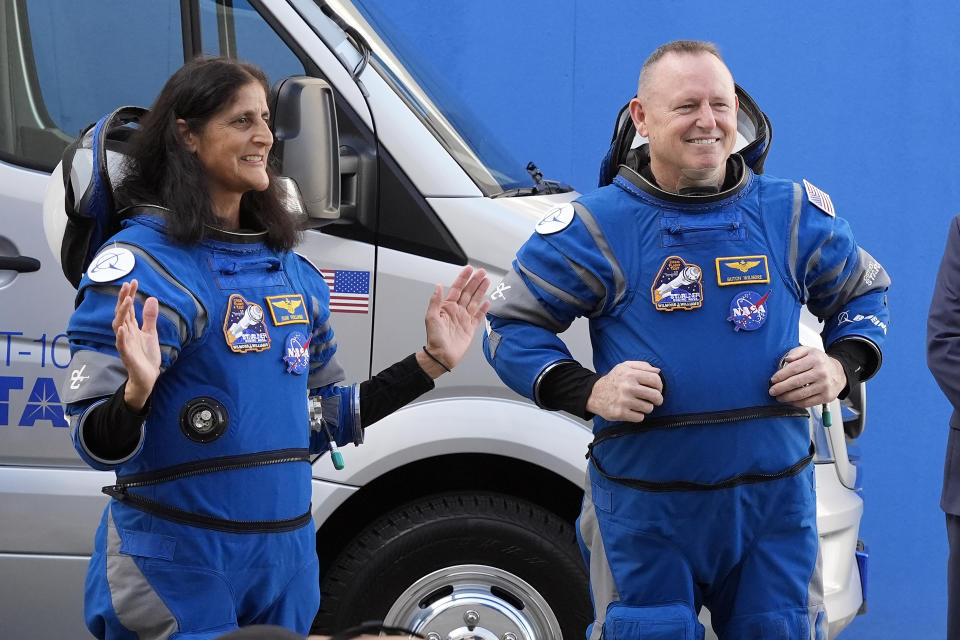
(457, 472)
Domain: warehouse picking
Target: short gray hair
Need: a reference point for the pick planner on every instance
(677, 46)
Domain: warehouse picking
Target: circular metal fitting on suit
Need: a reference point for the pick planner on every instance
(203, 419)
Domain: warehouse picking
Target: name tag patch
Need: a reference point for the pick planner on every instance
(244, 327)
(678, 285)
(742, 270)
(288, 309)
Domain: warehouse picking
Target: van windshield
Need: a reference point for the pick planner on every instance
(451, 120)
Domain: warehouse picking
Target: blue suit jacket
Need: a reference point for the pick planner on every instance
(943, 357)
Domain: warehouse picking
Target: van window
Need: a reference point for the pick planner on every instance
(236, 30)
(67, 64)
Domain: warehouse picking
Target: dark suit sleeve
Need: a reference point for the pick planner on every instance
(943, 322)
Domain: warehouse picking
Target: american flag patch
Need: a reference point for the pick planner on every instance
(819, 199)
(349, 290)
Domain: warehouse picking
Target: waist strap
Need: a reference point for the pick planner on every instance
(685, 485)
(121, 491)
(698, 419)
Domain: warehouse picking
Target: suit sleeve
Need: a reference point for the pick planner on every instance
(839, 281)
(943, 321)
(556, 278)
(339, 403)
(96, 372)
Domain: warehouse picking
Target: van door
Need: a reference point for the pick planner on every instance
(60, 74)
(64, 65)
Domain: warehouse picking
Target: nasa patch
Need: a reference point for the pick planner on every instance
(678, 285)
(748, 310)
(297, 353)
(556, 220)
(244, 326)
(111, 263)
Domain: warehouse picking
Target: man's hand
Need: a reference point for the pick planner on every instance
(628, 393)
(810, 377)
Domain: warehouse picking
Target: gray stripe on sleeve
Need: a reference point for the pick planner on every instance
(869, 275)
(91, 374)
(164, 310)
(493, 340)
(814, 260)
(199, 310)
(593, 283)
(556, 292)
(514, 301)
(829, 276)
(138, 607)
(329, 373)
(619, 281)
(793, 247)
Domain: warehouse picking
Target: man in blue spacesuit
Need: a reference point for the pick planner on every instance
(692, 271)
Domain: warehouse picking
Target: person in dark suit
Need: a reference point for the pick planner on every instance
(943, 359)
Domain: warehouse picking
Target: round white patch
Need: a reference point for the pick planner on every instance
(556, 219)
(110, 264)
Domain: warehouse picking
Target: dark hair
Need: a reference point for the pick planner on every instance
(164, 172)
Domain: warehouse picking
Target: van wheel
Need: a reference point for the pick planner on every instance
(462, 566)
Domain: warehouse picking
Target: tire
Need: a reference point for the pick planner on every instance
(514, 566)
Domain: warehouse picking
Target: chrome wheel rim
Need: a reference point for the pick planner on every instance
(474, 602)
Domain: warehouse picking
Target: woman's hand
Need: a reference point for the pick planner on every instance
(452, 320)
(139, 347)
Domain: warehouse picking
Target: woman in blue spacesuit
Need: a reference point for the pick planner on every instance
(197, 338)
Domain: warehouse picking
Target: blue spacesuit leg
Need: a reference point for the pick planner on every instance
(298, 599)
(135, 589)
(775, 592)
(641, 583)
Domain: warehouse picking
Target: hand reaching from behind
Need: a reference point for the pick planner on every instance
(138, 346)
(452, 320)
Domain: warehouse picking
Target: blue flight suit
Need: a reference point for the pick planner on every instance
(710, 500)
(210, 524)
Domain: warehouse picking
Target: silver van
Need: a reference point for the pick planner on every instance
(461, 502)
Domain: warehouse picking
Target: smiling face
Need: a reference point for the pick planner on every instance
(232, 147)
(687, 109)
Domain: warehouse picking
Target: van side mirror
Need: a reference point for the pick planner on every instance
(307, 147)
